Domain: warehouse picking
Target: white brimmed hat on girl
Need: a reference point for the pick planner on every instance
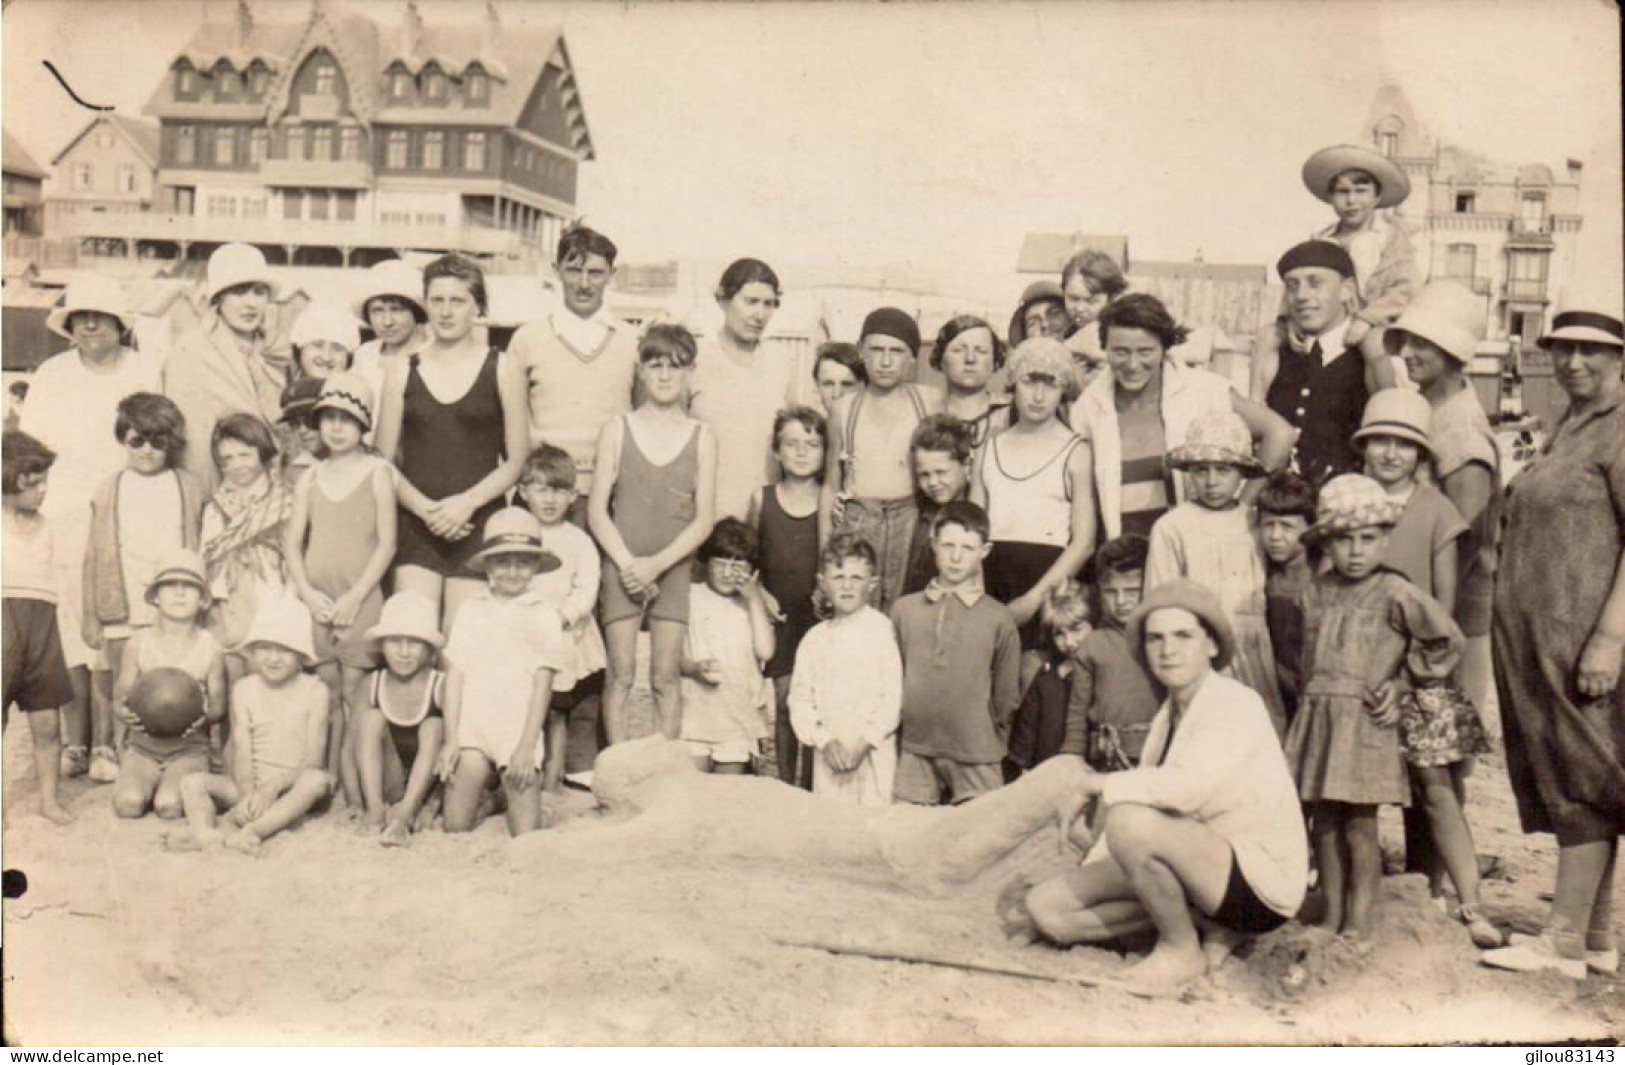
(408, 614)
(93, 293)
(1320, 169)
(513, 531)
(178, 566)
(237, 264)
(1396, 412)
(1217, 437)
(396, 278)
(284, 621)
(1446, 315)
(326, 321)
(1352, 501)
(347, 392)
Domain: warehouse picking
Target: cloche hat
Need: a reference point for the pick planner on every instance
(1443, 313)
(392, 277)
(237, 264)
(284, 621)
(178, 566)
(350, 393)
(1397, 412)
(91, 293)
(408, 614)
(326, 321)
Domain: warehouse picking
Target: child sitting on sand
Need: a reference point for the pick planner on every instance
(279, 730)
(400, 724)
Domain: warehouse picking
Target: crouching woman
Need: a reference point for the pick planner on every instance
(1205, 840)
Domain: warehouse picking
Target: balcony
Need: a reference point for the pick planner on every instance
(317, 173)
(278, 232)
(1531, 232)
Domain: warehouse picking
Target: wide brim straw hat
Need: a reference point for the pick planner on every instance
(1588, 318)
(178, 566)
(1319, 170)
(350, 393)
(1037, 292)
(1445, 314)
(284, 621)
(1352, 501)
(1219, 436)
(325, 321)
(92, 293)
(1396, 412)
(392, 277)
(409, 614)
(237, 264)
(1185, 594)
(513, 531)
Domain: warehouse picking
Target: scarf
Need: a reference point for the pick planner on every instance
(254, 516)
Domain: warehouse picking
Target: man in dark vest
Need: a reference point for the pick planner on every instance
(1322, 384)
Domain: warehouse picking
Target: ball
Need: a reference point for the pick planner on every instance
(168, 701)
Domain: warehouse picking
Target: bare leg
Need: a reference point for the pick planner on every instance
(1452, 838)
(665, 658)
(106, 730)
(166, 801)
(621, 644)
(1091, 903)
(1600, 930)
(201, 795)
(76, 715)
(307, 790)
(371, 737)
(558, 737)
(1174, 864)
(524, 812)
(462, 803)
(1331, 857)
(1583, 870)
(1365, 868)
(45, 728)
(351, 679)
(332, 675)
(459, 590)
(431, 733)
(137, 783)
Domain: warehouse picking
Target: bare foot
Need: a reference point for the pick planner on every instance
(245, 841)
(396, 834)
(429, 812)
(1166, 969)
(369, 826)
(1218, 943)
(186, 840)
(56, 813)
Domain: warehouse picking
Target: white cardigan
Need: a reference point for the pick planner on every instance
(1187, 393)
(1225, 770)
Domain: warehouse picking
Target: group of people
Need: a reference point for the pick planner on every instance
(401, 573)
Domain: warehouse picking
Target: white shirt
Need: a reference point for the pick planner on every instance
(150, 527)
(572, 589)
(848, 685)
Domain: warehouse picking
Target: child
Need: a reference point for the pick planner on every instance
(400, 727)
(1209, 539)
(651, 505)
(1367, 631)
(548, 487)
(961, 670)
(506, 646)
(242, 531)
(122, 554)
(847, 692)
(279, 730)
(785, 517)
(340, 540)
(152, 769)
(868, 490)
(1286, 509)
(1036, 481)
(1113, 698)
(724, 708)
(35, 674)
(1039, 729)
(297, 437)
(838, 371)
(324, 340)
(940, 453)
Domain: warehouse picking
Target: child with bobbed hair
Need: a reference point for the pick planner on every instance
(725, 702)
(941, 452)
(1286, 510)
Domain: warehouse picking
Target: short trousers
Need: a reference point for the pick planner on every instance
(725, 752)
(417, 546)
(175, 765)
(36, 674)
(1241, 910)
(589, 687)
(925, 780)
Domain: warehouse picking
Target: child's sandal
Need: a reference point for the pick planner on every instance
(104, 765)
(1485, 935)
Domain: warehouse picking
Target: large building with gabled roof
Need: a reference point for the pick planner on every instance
(345, 139)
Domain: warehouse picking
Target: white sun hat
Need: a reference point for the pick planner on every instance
(91, 293)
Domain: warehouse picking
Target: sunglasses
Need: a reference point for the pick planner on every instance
(159, 441)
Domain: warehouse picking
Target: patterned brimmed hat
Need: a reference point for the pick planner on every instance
(408, 614)
(1220, 436)
(513, 531)
(1047, 356)
(1396, 412)
(1184, 594)
(350, 393)
(1321, 168)
(179, 566)
(1352, 501)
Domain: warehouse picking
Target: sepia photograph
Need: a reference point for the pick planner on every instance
(852, 523)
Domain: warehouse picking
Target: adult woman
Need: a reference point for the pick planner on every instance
(453, 419)
(967, 353)
(1089, 281)
(1207, 833)
(230, 362)
(1142, 404)
(71, 408)
(391, 305)
(739, 387)
(1558, 631)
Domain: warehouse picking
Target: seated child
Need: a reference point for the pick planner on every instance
(725, 705)
(1113, 698)
(35, 673)
(279, 729)
(1039, 730)
(506, 646)
(1286, 510)
(961, 670)
(940, 452)
(400, 725)
(847, 691)
(152, 768)
(548, 487)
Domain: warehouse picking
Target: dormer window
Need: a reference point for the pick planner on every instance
(479, 87)
(434, 84)
(258, 79)
(1390, 144)
(185, 81)
(400, 85)
(324, 80)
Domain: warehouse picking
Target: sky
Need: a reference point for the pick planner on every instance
(924, 139)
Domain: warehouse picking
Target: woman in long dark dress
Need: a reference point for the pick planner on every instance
(1559, 630)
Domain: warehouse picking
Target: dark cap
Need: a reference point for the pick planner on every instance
(299, 398)
(891, 322)
(1324, 253)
